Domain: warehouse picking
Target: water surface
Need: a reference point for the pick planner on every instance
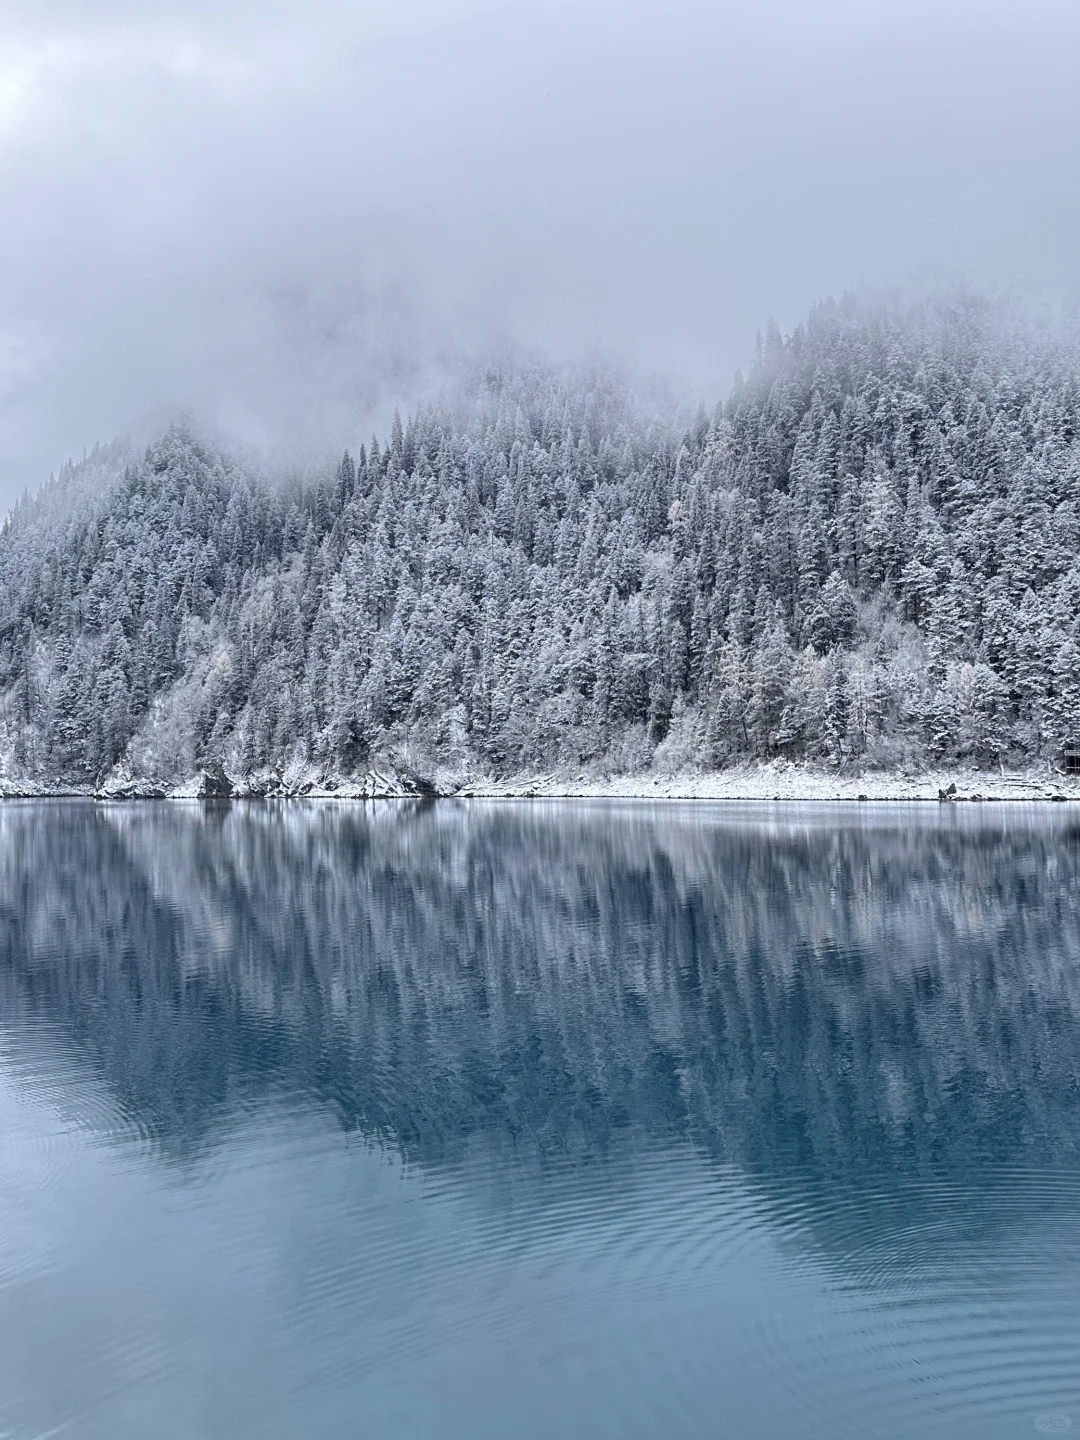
(538, 1119)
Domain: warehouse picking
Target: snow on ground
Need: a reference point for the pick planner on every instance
(793, 782)
(778, 781)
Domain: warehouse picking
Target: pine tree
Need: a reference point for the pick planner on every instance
(535, 570)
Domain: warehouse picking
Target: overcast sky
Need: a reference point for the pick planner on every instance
(270, 209)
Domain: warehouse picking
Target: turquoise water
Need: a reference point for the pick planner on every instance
(538, 1119)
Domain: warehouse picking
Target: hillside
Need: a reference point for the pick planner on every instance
(866, 557)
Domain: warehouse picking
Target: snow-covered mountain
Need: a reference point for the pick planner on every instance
(869, 553)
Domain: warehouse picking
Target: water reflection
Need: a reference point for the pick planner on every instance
(654, 1030)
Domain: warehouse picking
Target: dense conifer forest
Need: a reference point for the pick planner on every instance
(867, 555)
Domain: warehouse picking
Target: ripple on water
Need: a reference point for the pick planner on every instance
(331, 1135)
(961, 1301)
(651, 1289)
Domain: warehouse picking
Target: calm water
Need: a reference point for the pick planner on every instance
(536, 1120)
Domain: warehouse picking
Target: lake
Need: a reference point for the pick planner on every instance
(531, 1119)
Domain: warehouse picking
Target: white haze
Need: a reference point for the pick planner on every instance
(288, 215)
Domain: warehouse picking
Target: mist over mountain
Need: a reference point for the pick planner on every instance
(257, 211)
(866, 555)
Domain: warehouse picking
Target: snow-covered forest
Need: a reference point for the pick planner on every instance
(868, 554)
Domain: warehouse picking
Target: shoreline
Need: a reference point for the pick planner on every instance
(755, 783)
(769, 784)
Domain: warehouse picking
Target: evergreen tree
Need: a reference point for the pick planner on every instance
(541, 571)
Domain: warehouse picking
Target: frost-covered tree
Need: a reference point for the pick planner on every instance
(868, 553)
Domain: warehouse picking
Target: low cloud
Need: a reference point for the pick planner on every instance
(285, 213)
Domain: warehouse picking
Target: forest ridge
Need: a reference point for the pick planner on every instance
(869, 554)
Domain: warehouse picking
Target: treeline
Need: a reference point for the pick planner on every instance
(867, 554)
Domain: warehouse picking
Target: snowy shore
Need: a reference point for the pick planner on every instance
(791, 782)
(763, 782)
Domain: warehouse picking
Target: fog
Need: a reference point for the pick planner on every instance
(289, 215)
